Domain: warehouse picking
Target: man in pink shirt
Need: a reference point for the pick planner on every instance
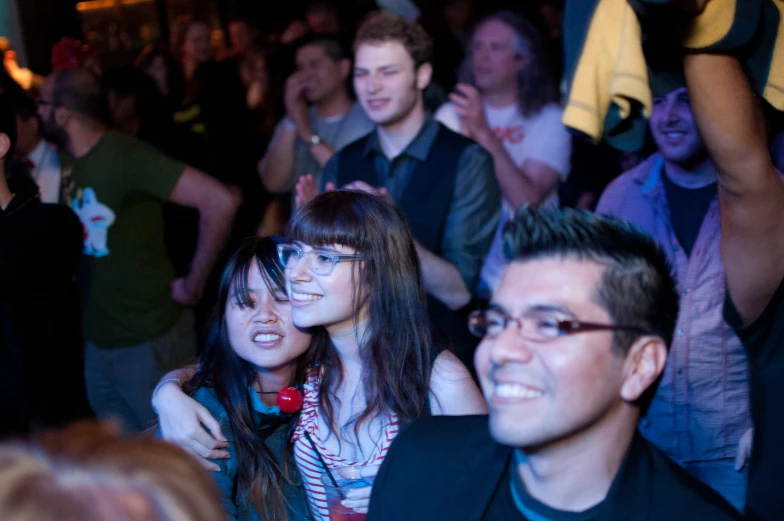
(701, 409)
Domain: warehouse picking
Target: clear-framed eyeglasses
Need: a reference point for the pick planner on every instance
(536, 327)
(320, 262)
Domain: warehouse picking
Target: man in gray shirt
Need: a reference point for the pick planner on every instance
(320, 117)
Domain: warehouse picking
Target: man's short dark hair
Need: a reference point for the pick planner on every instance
(331, 44)
(387, 27)
(637, 287)
(80, 90)
(7, 124)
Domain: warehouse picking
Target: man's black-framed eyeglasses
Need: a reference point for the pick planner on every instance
(536, 327)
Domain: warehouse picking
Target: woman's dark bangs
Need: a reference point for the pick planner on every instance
(328, 225)
(238, 289)
(272, 274)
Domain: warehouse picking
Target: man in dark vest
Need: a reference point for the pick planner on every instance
(443, 182)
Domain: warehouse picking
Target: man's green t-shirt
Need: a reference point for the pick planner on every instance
(118, 189)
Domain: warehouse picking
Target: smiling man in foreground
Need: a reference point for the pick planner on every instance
(574, 343)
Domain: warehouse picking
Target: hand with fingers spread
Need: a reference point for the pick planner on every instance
(306, 189)
(187, 423)
(358, 499)
(469, 106)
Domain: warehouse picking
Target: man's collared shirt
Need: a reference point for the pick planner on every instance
(46, 171)
(701, 408)
(475, 208)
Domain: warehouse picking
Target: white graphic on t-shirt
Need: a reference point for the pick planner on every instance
(96, 219)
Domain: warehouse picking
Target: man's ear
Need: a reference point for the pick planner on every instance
(345, 68)
(645, 362)
(423, 76)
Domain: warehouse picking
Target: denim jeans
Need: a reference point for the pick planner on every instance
(721, 476)
(120, 381)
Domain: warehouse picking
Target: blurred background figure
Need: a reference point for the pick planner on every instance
(162, 66)
(215, 107)
(196, 47)
(323, 17)
(87, 472)
(243, 36)
(69, 53)
(507, 101)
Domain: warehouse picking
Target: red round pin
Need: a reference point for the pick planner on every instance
(290, 399)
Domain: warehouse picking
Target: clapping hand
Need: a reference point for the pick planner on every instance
(468, 105)
(306, 189)
(296, 107)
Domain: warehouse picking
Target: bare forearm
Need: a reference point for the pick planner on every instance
(277, 166)
(183, 374)
(321, 153)
(176, 377)
(442, 280)
(215, 220)
(517, 187)
(751, 191)
(730, 121)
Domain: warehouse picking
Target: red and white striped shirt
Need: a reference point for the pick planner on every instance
(307, 461)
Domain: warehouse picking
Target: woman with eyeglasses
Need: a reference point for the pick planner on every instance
(353, 278)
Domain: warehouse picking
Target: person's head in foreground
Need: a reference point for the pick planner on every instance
(576, 336)
(86, 472)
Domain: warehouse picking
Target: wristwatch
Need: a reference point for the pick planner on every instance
(314, 140)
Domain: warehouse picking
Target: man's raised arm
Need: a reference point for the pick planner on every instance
(751, 192)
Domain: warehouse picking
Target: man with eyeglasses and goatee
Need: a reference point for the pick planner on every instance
(574, 343)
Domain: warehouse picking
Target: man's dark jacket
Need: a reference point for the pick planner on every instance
(41, 370)
(448, 467)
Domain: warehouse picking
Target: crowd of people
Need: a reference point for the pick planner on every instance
(483, 314)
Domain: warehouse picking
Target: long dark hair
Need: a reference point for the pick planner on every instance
(230, 376)
(396, 349)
